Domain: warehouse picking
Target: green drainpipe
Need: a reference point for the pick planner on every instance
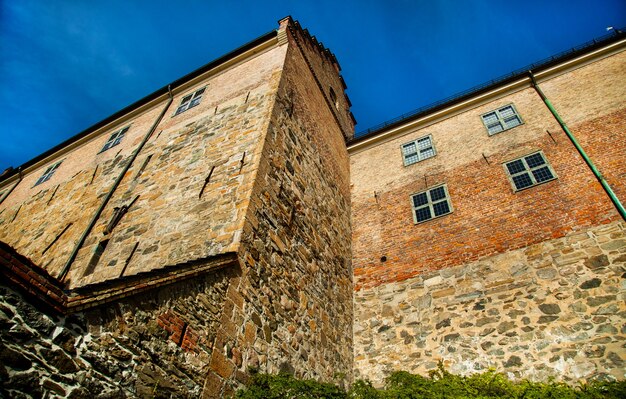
(596, 172)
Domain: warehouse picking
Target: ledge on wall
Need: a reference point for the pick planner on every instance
(42, 288)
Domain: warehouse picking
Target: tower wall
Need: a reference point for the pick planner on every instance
(292, 305)
(233, 255)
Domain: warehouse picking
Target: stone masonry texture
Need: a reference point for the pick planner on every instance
(551, 309)
(233, 254)
(251, 234)
(155, 345)
(216, 135)
(292, 306)
(527, 282)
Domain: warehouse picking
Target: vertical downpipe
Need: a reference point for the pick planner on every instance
(95, 217)
(581, 151)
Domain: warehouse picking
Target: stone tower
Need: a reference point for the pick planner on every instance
(195, 236)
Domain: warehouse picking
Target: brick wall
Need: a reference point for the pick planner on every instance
(454, 264)
(551, 310)
(488, 216)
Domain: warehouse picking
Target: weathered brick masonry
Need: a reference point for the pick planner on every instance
(455, 288)
(253, 232)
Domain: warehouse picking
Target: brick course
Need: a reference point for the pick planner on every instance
(426, 302)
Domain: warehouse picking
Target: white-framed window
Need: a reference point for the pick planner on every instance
(431, 203)
(190, 101)
(529, 171)
(418, 150)
(115, 139)
(501, 119)
(48, 173)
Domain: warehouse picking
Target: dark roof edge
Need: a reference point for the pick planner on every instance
(490, 85)
(143, 101)
(38, 286)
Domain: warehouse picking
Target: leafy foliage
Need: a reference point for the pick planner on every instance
(284, 386)
(439, 384)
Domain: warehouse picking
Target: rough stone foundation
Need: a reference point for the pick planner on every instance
(554, 309)
(157, 345)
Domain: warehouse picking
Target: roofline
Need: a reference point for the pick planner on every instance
(505, 80)
(145, 100)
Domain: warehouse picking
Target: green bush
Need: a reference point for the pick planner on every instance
(283, 386)
(439, 384)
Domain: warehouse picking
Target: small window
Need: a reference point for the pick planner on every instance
(333, 98)
(115, 139)
(430, 204)
(190, 101)
(418, 150)
(48, 173)
(529, 171)
(501, 119)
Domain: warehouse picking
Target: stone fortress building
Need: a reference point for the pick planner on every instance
(231, 222)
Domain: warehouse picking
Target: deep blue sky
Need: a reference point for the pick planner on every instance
(66, 64)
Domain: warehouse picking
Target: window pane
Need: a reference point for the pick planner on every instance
(409, 149)
(490, 118)
(437, 194)
(422, 214)
(535, 160)
(186, 99)
(441, 208)
(195, 102)
(199, 92)
(180, 109)
(427, 153)
(420, 199)
(411, 159)
(542, 174)
(512, 122)
(495, 128)
(48, 173)
(507, 111)
(515, 167)
(424, 143)
(522, 181)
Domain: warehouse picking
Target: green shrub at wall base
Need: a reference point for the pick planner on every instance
(440, 384)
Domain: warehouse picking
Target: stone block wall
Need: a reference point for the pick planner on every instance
(155, 345)
(292, 306)
(175, 197)
(553, 309)
(528, 282)
(258, 171)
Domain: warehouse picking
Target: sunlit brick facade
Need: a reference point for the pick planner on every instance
(231, 223)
